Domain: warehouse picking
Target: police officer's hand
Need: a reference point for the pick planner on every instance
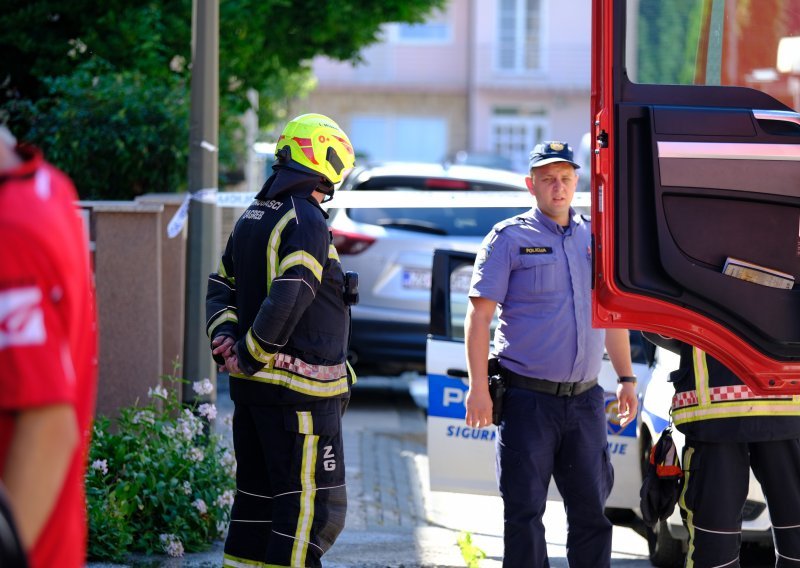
(479, 407)
(627, 403)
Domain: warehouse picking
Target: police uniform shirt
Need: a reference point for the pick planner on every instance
(539, 273)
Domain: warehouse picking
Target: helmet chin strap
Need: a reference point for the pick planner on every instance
(327, 190)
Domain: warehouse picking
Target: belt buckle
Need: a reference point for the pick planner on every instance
(565, 389)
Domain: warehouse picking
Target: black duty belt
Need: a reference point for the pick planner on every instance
(513, 379)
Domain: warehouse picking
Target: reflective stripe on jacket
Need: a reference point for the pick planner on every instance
(709, 391)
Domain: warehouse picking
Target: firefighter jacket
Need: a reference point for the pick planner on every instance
(279, 293)
(711, 404)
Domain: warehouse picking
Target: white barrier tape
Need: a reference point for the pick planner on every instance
(208, 146)
(235, 199)
(368, 199)
(176, 224)
(391, 199)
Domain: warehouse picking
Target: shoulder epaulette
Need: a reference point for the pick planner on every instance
(507, 223)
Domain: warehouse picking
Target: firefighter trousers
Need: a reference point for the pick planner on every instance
(291, 500)
(714, 493)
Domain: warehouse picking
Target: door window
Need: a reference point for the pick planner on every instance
(743, 43)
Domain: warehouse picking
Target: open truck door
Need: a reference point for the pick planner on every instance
(696, 178)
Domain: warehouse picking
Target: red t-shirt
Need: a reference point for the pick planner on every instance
(48, 332)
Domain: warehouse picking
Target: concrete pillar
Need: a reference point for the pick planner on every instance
(173, 278)
(127, 240)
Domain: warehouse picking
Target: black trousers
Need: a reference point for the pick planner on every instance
(291, 498)
(542, 436)
(715, 488)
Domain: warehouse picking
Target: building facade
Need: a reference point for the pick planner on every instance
(490, 77)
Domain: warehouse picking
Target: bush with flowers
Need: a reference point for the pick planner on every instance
(160, 480)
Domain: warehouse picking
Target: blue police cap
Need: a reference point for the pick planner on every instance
(550, 152)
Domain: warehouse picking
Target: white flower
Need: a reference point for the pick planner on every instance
(228, 461)
(100, 465)
(187, 488)
(225, 500)
(189, 425)
(207, 410)
(159, 391)
(222, 528)
(195, 454)
(203, 387)
(144, 416)
(78, 47)
(227, 420)
(200, 505)
(177, 63)
(171, 544)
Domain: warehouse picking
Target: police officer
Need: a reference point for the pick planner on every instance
(278, 321)
(729, 430)
(537, 268)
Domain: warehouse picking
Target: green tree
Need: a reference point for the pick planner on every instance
(668, 35)
(49, 47)
(118, 134)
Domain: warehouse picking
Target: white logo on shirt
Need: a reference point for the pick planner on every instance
(43, 184)
(21, 317)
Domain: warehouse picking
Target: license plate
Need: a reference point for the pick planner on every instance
(421, 280)
(460, 281)
(417, 279)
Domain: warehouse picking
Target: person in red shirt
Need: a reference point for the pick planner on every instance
(48, 356)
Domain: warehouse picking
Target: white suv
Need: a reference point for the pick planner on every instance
(390, 245)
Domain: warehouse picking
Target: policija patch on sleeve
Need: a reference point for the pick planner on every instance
(535, 250)
(483, 255)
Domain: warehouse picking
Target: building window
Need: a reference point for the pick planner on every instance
(436, 29)
(398, 138)
(519, 35)
(515, 136)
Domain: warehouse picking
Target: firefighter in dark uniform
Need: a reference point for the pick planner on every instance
(537, 268)
(729, 430)
(278, 320)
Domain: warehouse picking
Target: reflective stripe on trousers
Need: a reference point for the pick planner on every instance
(715, 488)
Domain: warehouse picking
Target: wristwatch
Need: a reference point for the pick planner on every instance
(631, 379)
